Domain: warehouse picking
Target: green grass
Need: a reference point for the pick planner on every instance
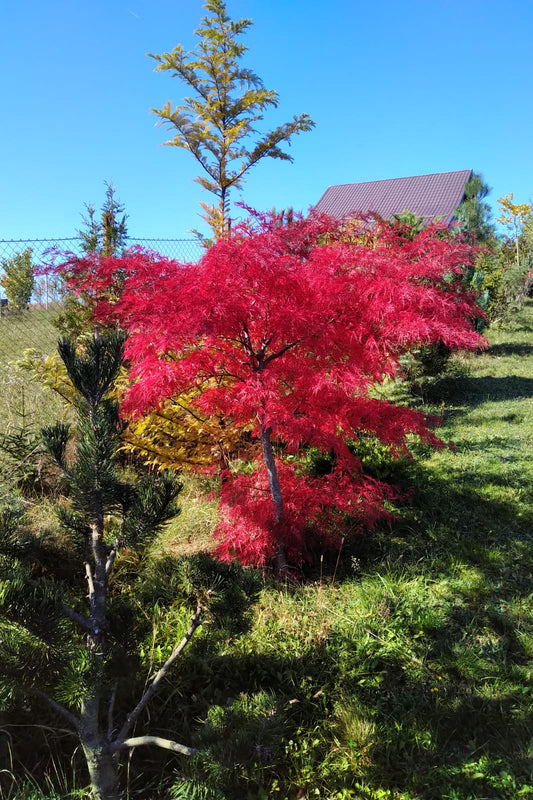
(190, 532)
(407, 675)
(25, 404)
(405, 671)
(27, 329)
(20, 332)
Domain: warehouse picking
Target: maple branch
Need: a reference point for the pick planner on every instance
(270, 463)
(283, 350)
(264, 344)
(246, 341)
(188, 410)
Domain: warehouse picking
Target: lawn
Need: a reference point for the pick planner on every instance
(19, 394)
(400, 670)
(27, 329)
(407, 672)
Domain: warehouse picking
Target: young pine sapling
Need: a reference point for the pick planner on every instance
(68, 650)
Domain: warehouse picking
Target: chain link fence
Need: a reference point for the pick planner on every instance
(31, 327)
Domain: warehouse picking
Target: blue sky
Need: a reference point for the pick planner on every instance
(395, 89)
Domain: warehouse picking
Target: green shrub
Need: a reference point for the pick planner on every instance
(18, 279)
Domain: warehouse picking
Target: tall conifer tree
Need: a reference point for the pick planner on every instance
(217, 124)
(474, 212)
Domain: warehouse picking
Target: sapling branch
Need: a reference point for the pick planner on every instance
(158, 678)
(111, 559)
(90, 584)
(158, 741)
(64, 712)
(82, 621)
(111, 709)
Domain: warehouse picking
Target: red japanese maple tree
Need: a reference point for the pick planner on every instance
(290, 325)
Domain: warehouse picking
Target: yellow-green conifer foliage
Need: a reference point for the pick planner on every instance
(217, 124)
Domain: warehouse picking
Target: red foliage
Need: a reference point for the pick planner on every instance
(291, 326)
(317, 512)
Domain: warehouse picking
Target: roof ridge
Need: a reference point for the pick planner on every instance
(401, 178)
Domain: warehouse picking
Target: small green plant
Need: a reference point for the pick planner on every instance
(109, 233)
(22, 465)
(221, 133)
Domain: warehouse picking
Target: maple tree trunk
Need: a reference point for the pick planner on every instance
(275, 490)
(273, 481)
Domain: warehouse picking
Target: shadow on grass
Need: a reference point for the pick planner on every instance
(276, 716)
(480, 390)
(462, 751)
(345, 710)
(306, 722)
(509, 349)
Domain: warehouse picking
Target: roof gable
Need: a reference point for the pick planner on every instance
(429, 196)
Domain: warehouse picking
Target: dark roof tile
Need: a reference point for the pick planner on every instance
(429, 196)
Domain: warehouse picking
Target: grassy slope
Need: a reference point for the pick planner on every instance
(25, 404)
(19, 332)
(410, 676)
(406, 672)
(27, 329)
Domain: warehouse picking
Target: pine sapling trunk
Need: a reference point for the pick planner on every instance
(101, 764)
(100, 761)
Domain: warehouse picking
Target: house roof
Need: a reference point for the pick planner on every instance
(429, 196)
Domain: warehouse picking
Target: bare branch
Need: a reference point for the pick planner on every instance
(110, 710)
(167, 744)
(110, 560)
(159, 676)
(65, 713)
(84, 622)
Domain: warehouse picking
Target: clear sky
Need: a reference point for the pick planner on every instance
(395, 89)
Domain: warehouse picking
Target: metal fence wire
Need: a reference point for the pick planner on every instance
(33, 327)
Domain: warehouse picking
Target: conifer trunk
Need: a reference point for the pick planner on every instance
(100, 762)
